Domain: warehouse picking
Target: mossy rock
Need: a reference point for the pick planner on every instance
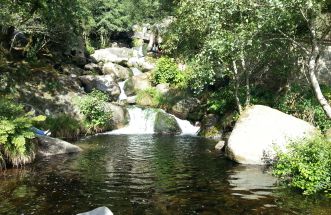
(166, 124)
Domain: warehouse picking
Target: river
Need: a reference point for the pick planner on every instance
(148, 174)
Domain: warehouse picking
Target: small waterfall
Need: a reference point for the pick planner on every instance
(187, 127)
(141, 122)
(122, 96)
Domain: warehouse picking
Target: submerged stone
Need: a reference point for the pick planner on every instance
(48, 146)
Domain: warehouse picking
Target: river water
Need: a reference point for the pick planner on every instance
(148, 174)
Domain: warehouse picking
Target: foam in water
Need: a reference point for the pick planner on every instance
(142, 122)
(122, 96)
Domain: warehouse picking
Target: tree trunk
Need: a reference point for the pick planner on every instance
(236, 86)
(247, 74)
(312, 67)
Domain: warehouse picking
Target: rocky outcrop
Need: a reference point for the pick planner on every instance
(48, 146)
(188, 108)
(163, 88)
(104, 83)
(136, 83)
(94, 68)
(259, 130)
(98, 211)
(140, 63)
(114, 55)
(210, 127)
(166, 124)
(120, 115)
(119, 72)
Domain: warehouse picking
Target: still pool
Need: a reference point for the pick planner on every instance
(148, 174)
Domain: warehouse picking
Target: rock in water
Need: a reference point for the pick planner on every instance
(166, 124)
(98, 211)
(48, 146)
(259, 130)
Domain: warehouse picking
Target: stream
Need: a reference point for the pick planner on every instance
(148, 174)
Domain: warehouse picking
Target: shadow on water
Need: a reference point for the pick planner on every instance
(148, 174)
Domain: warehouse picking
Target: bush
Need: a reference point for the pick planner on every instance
(93, 106)
(166, 71)
(64, 126)
(306, 166)
(16, 147)
(149, 97)
(302, 103)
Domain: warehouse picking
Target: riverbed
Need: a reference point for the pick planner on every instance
(148, 174)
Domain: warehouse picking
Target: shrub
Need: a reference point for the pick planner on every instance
(16, 147)
(93, 106)
(306, 166)
(64, 126)
(165, 72)
(302, 103)
(149, 97)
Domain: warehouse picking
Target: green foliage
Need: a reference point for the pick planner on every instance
(63, 126)
(167, 71)
(306, 166)
(150, 96)
(221, 102)
(16, 147)
(301, 102)
(93, 106)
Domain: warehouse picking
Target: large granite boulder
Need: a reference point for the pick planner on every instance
(114, 55)
(104, 83)
(98, 211)
(188, 108)
(120, 115)
(136, 83)
(141, 63)
(259, 130)
(120, 73)
(48, 146)
(166, 124)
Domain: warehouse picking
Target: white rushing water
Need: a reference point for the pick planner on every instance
(122, 95)
(142, 122)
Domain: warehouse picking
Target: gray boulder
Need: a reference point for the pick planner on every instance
(114, 55)
(120, 73)
(163, 88)
(210, 127)
(48, 146)
(98, 211)
(120, 115)
(104, 83)
(188, 108)
(259, 130)
(166, 124)
(93, 68)
(136, 83)
(140, 63)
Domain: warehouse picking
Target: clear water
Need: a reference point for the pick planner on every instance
(148, 175)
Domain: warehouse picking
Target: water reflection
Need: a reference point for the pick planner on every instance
(147, 175)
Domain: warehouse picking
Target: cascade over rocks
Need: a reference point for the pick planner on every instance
(104, 83)
(48, 146)
(166, 124)
(119, 72)
(260, 129)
